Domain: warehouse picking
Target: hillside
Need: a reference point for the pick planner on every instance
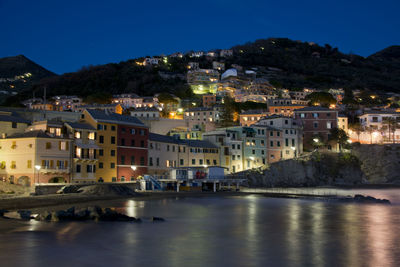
(286, 63)
(19, 73)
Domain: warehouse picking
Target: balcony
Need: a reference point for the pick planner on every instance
(55, 170)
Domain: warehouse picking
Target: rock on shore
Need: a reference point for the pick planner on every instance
(99, 190)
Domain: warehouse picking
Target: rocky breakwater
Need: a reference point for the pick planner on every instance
(92, 213)
(319, 169)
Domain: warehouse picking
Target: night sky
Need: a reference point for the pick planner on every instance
(63, 36)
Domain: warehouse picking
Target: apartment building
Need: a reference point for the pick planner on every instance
(317, 123)
(35, 157)
(167, 152)
(84, 152)
(122, 142)
(283, 106)
(11, 123)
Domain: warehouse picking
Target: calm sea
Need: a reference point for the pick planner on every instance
(218, 231)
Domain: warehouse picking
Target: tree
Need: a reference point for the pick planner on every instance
(339, 136)
(227, 111)
(390, 124)
(321, 98)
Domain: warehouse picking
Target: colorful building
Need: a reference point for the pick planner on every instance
(35, 157)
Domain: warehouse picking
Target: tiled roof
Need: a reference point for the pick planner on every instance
(12, 117)
(164, 138)
(171, 139)
(81, 126)
(101, 116)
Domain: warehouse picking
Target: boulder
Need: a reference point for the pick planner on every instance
(19, 215)
(111, 215)
(369, 199)
(157, 219)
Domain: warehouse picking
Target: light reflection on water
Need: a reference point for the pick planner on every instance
(216, 231)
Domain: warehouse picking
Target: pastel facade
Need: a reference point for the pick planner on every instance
(35, 157)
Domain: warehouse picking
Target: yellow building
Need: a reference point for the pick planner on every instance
(34, 157)
(84, 152)
(343, 123)
(106, 140)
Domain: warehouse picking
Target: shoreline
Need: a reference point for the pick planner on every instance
(53, 200)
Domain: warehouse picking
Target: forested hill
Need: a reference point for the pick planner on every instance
(286, 63)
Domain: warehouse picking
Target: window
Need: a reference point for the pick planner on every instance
(193, 161)
(142, 132)
(112, 152)
(278, 134)
(100, 165)
(48, 145)
(302, 115)
(101, 152)
(132, 131)
(233, 157)
(123, 130)
(101, 139)
(181, 162)
(271, 123)
(158, 161)
(142, 144)
(253, 152)
(99, 127)
(112, 165)
(328, 114)
(167, 147)
(293, 142)
(132, 160)
(315, 124)
(63, 145)
(112, 139)
(271, 143)
(90, 168)
(201, 162)
(329, 125)
(271, 133)
(122, 141)
(14, 125)
(150, 161)
(122, 160)
(286, 142)
(91, 136)
(105, 127)
(133, 142)
(112, 127)
(286, 121)
(315, 115)
(278, 143)
(238, 146)
(78, 135)
(29, 164)
(78, 168)
(142, 161)
(214, 161)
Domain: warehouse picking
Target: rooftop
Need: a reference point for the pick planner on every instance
(80, 126)
(32, 134)
(101, 116)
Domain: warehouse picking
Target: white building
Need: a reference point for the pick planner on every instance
(145, 113)
(150, 61)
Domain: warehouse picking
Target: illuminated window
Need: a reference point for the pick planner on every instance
(91, 136)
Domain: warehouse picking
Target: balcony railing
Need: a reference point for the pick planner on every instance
(47, 169)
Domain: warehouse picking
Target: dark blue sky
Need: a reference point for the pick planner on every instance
(63, 36)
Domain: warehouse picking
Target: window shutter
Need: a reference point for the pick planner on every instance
(59, 145)
(51, 163)
(66, 145)
(66, 164)
(43, 163)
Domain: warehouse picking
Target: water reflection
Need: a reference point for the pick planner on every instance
(237, 231)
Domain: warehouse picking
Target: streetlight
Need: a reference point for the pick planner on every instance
(294, 150)
(38, 167)
(316, 140)
(133, 168)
